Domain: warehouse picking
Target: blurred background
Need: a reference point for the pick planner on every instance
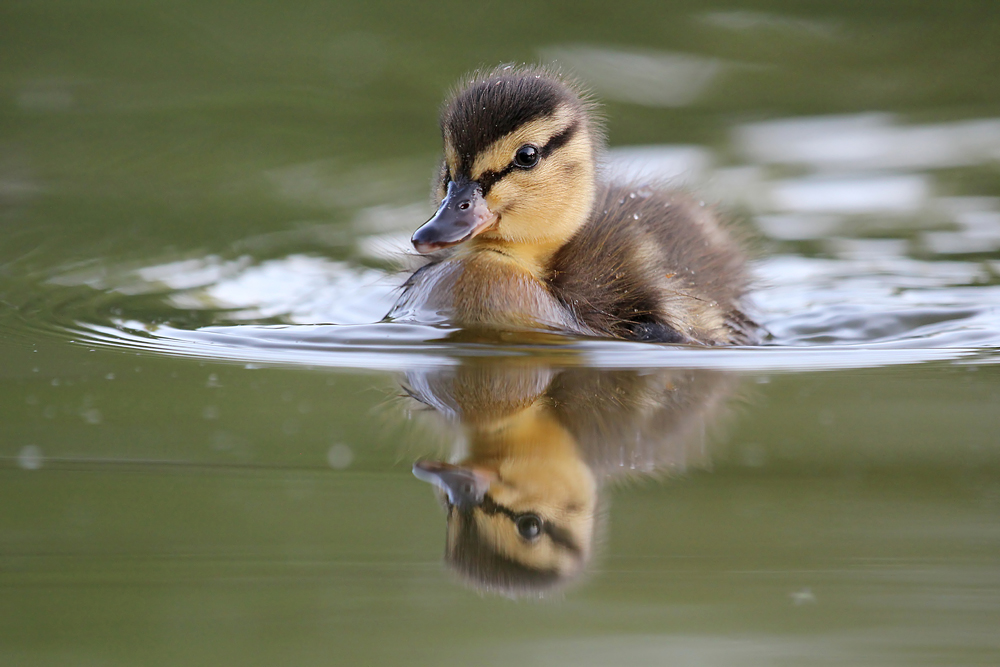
(153, 127)
(175, 495)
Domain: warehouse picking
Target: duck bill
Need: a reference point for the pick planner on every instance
(465, 487)
(462, 215)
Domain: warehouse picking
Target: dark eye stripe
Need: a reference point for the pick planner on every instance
(490, 178)
(558, 535)
(561, 537)
(491, 507)
(560, 140)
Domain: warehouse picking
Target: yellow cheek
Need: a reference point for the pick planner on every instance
(504, 196)
(541, 184)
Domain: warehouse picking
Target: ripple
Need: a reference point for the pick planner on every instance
(861, 310)
(400, 347)
(884, 300)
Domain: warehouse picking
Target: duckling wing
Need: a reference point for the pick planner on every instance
(654, 265)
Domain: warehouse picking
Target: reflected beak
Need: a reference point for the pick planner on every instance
(462, 215)
(464, 486)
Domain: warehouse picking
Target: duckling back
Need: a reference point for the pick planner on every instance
(654, 265)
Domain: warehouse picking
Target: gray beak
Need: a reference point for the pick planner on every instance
(464, 486)
(462, 215)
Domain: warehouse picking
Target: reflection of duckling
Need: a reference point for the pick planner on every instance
(530, 239)
(521, 508)
(522, 501)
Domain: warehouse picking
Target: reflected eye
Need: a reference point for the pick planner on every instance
(529, 526)
(526, 156)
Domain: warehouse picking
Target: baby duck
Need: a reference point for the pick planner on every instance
(528, 236)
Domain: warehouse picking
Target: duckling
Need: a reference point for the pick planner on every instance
(522, 497)
(527, 235)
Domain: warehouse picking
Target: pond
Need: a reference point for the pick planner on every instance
(214, 453)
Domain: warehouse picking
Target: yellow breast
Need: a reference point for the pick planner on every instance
(482, 288)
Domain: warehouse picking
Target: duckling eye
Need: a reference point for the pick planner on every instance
(529, 526)
(526, 156)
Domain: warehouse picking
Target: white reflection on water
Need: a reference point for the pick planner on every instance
(870, 294)
(30, 457)
(300, 289)
(384, 231)
(900, 193)
(396, 347)
(978, 226)
(865, 171)
(869, 141)
(677, 165)
(749, 20)
(796, 227)
(185, 274)
(647, 77)
(870, 165)
(966, 633)
(878, 297)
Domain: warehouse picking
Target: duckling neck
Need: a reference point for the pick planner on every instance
(533, 258)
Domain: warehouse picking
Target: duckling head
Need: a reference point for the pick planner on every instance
(515, 527)
(518, 172)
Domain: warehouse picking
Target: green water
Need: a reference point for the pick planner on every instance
(176, 495)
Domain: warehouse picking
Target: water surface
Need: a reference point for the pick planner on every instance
(207, 445)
